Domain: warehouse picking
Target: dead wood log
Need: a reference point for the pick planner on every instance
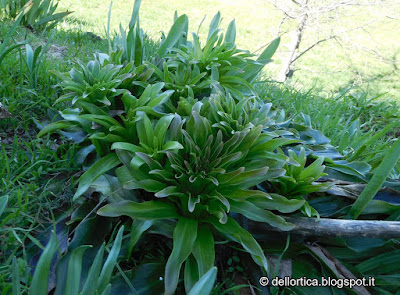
(325, 227)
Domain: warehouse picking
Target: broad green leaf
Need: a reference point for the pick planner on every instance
(203, 249)
(106, 272)
(383, 263)
(74, 270)
(144, 129)
(235, 80)
(153, 164)
(191, 273)
(54, 17)
(55, 126)
(250, 178)
(146, 184)
(146, 210)
(91, 282)
(82, 154)
(29, 57)
(139, 48)
(278, 202)
(160, 99)
(273, 144)
(255, 213)
(206, 283)
(41, 274)
(97, 169)
(127, 147)
(214, 24)
(184, 238)
(138, 228)
(172, 145)
(107, 290)
(230, 35)
(233, 231)
(162, 126)
(135, 14)
(168, 191)
(174, 35)
(103, 120)
(313, 170)
(377, 180)
(269, 51)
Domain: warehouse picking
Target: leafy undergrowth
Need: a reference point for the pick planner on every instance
(154, 164)
(359, 126)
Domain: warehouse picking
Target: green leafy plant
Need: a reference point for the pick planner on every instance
(187, 134)
(4, 47)
(98, 278)
(187, 67)
(378, 179)
(194, 161)
(298, 180)
(34, 59)
(127, 47)
(12, 8)
(105, 123)
(94, 83)
(40, 15)
(198, 181)
(231, 115)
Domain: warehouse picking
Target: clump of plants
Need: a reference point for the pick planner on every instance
(37, 15)
(184, 146)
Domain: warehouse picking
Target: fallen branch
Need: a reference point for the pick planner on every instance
(333, 227)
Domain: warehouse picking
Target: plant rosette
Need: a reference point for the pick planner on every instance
(199, 176)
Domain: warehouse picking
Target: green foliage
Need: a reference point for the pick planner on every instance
(205, 284)
(194, 70)
(359, 127)
(191, 151)
(298, 181)
(194, 145)
(127, 47)
(201, 176)
(3, 204)
(40, 277)
(37, 15)
(34, 60)
(94, 83)
(13, 8)
(4, 48)
(98, 278)
(376, 182)
(203, 165)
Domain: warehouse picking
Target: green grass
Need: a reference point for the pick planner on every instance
(36, 174)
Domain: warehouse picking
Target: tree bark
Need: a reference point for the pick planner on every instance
(288, 64)
(325, 227)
